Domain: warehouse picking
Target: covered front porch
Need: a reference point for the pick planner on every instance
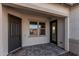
(40, 43)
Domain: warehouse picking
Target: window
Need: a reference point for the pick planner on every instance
(37, 28)
(42, 31)
(41, 28)
(33, 28)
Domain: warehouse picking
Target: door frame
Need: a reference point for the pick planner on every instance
(51, 41)
(9, 34)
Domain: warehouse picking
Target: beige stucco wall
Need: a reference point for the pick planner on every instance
(74, 29)
(27, 40)
(1, 46)
(61, 32)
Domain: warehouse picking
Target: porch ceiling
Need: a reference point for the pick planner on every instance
(32, 10)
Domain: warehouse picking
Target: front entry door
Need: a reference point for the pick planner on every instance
(14, 37)
(53, 31)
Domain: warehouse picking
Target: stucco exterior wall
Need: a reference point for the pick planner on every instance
(61, 32)
(74, 30)
(27, 40)
(67, 19)
(1, 44)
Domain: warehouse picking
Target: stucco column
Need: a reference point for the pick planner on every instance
(1, 43)
(67, 33)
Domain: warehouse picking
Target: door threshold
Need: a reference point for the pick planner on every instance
(63, 53)
(13, 51)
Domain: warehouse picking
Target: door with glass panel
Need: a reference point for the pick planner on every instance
(53, 31)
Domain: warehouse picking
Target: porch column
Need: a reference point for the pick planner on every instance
(67, 33)
(1, 43)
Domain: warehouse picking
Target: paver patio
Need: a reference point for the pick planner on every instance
(48, 49)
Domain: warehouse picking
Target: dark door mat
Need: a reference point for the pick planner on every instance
(68, 54)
